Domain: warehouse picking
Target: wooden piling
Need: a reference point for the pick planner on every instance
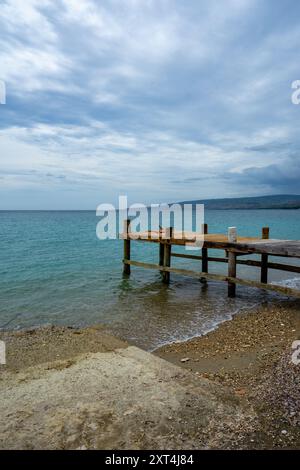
(161, 248)
(204, 255)
(126, 267)
(232, 238)
(264, 258)
(167, 255)
(231, 273)
(161, 254)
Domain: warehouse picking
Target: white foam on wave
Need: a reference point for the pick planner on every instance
(293, 283)
(206, 327)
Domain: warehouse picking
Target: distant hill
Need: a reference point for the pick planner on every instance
(280, 201)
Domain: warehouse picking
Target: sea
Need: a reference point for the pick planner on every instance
(55, 271)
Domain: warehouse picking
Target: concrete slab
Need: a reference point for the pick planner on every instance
(120, 399)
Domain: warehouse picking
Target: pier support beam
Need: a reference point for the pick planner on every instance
(161, 249)
(126, 267)
(264, 258)
(167, 255)
(232, 238)
(161, 254)
(231, 273)
(204, 255)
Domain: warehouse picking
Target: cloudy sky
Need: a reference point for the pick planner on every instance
(162, 100)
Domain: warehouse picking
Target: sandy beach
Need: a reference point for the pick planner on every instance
(56, 394)
(251, 354)
(235, 387)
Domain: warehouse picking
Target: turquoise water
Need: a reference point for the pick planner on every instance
(54, 270)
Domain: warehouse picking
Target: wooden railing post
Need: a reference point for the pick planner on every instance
(126, 267)
(264, 258)
(167, 254)
(204, 254)
(232, 238)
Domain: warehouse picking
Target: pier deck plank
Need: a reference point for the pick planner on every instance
(287, 248)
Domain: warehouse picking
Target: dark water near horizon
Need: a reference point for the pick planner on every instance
(54, 270)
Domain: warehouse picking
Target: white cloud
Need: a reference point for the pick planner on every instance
(30, 55)
(26, 17)
(29, 70)
(145, 91)
(93, 153)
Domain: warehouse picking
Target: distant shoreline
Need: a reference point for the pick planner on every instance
(278, 202)
(207, 208)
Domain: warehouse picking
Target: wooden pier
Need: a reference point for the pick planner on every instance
(233, 246)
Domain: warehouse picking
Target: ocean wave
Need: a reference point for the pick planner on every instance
(293, 283)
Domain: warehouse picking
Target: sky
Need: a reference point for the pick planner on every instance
(159, 100)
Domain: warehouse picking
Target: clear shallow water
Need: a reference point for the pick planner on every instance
(54, 270)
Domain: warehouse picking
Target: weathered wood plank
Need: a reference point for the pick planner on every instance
(217, 277)
(289, 249)
(161, 254)
(161, 250)
(245, 262)
(286, 248)
(264, 258)
(126, 267)
(284, 267)
(167, 256)
(204, 254)
(231, 273)
(232, 237)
